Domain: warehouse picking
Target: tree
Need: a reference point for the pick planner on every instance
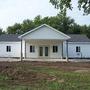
(37, 21)
(60, 22)
(27, 25)
(64, 23)
(88, 31)
(1, 31)
(63, 5)
(15, 29)
(76, 29)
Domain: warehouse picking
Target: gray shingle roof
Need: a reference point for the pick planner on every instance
(9, 37)
(74, 38)
(78, 38)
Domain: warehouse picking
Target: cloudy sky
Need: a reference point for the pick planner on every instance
(12, 11)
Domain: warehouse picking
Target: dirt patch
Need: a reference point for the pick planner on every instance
(82, 71)
(70, 66)
(66, 66)
(22, 71)
(61, 81)
(25, 76)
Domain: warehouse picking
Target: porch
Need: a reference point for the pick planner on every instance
(44, 42)
(43, 50)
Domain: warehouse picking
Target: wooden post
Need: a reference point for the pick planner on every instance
(67, 50)
(21, 51)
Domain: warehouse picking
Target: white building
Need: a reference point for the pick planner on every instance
(45, 43)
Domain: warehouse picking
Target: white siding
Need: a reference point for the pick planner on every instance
(85, 50)
(15, 49)
(31, 55)
(45, 33)
(44, 43)
(58, 54)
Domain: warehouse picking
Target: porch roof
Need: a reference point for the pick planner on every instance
(44, 32)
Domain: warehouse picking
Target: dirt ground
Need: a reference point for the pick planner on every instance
(25, 71)
(66, 66)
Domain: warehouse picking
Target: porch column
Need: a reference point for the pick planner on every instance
(21, 51)
(62, 51)
(67, 50)
(25, 51)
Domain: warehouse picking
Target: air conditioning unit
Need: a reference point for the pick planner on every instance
(78, 53)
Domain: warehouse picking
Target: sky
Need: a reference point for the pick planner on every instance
(15, 11)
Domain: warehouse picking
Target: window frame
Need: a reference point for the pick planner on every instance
(32, 48)
(78, 49)
(8, 48)
(55, 49)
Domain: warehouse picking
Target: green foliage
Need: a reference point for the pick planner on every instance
(85, 5)
(1, 31)
(61, 22)
(3, 77)
(27, 25)
(15, 29)
(63, 5)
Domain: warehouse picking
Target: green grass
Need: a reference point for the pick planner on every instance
(61, 79)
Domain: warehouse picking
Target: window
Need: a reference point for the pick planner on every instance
(32, 49)
(55, 49)
(8, 48)
(77, 48)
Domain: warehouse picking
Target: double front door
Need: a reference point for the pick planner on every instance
(44, 51)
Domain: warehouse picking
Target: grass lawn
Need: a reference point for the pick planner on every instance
(44, 76)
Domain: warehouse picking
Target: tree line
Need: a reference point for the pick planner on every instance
(60, 22)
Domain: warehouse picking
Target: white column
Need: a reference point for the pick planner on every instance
(21, 51)
(67, 50)
(25, 51)
(62, 50)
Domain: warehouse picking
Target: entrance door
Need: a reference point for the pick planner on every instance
(43, 51)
